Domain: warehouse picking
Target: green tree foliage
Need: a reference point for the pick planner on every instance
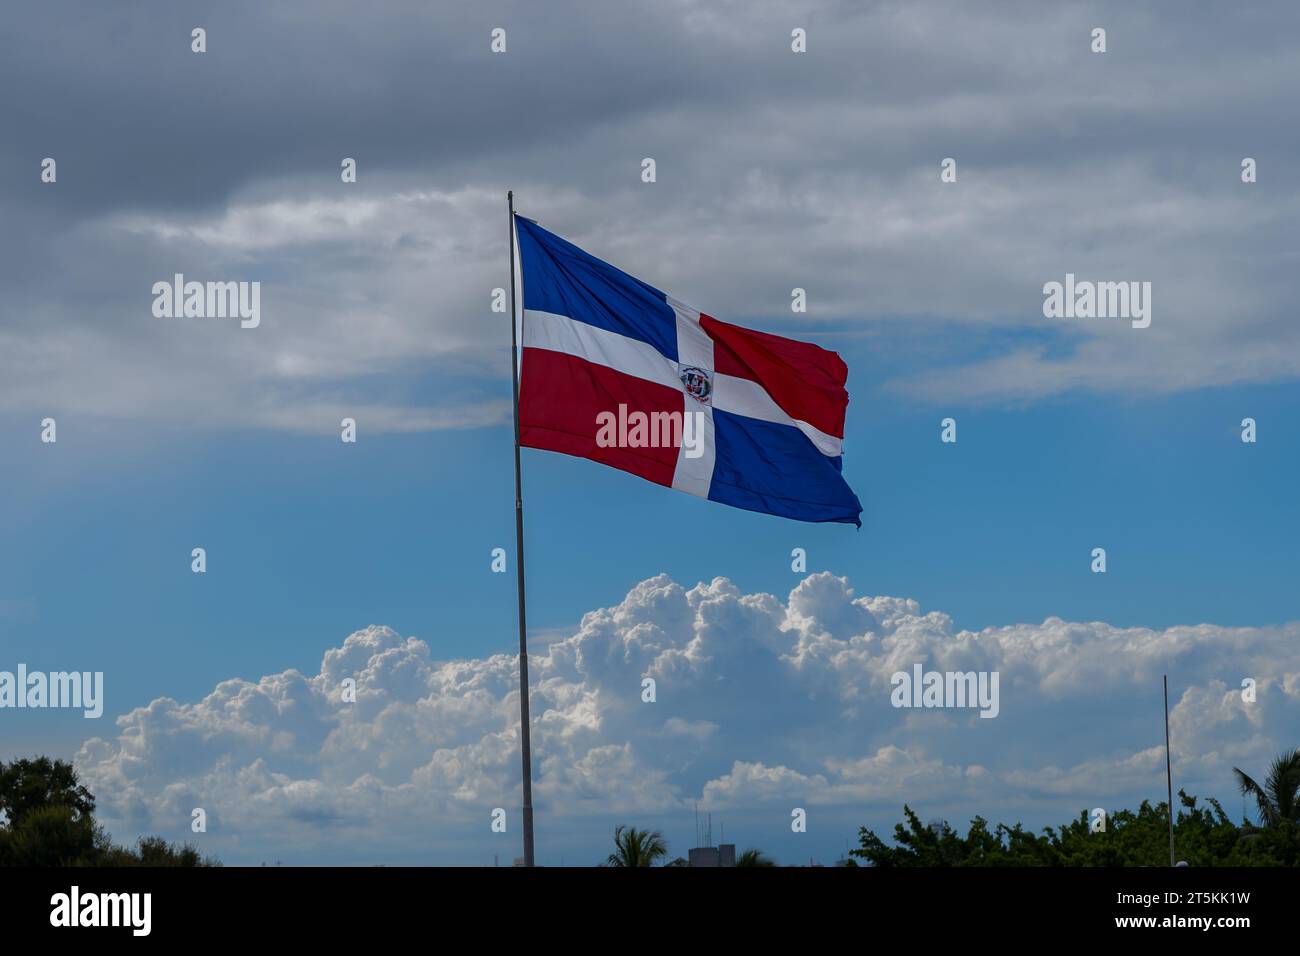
(48, 836)
(633, 847)
(49, 821)
(1278, 799)
(30, 785)
(754, 857)
(1203, 836)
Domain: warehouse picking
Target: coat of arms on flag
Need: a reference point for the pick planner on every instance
(598, 341)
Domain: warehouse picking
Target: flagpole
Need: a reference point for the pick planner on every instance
(1169, 775)
(524, 734)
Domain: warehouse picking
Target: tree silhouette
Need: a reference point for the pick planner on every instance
(49, 821)
(1278, 799)
(633, 847)
(1204, 837)
(30, 785)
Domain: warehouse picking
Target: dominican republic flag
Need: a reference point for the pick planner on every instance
(600, 346)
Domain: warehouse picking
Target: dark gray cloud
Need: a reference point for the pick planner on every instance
(775, 170)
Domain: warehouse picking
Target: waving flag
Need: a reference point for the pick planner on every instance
(616, 371)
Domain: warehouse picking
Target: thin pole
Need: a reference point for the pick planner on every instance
(1169, 776)
(524, 732)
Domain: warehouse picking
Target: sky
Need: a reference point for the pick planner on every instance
(775, 170)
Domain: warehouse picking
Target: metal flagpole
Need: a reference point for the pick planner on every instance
(524, 734)
(1169, 776)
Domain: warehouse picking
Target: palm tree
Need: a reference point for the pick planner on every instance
(1279, 798)
(754, 857)
(633, 847)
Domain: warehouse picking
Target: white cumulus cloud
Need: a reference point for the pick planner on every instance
(759, 703)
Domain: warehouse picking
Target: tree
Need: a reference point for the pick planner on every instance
(633, 847)
(1204, 837)
(29, 785)
(754, 857)
(155, 851)
(49, 821)
(1279, 798)
(49, 836)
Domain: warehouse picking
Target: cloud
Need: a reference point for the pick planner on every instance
(776, 170)
(760, 703)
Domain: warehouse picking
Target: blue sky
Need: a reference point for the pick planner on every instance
(309, 539)
(776, 170)
(307, 536)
